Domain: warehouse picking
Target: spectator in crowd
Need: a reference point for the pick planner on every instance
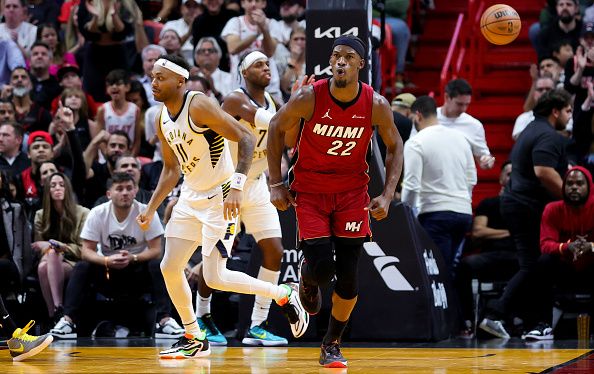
(458, 94)
(7, 111)
(158, 10)
(443, 200)
(43, 12)
(40, 145)
(211, 23)
(149, 55)
(291, 67)
(29, 113)
(566, 27)
(190, 9)
(567, 260)
(137, 96)
(116, 144)
(129, 263)
(69, 77)
(396, 14)
(105, 28)
(497, 259)
(16, 258)
(248, 32)
(10, 58)
(563, 52)
(76, 100)
(542, 84)
(48, 33)
(11, 140)
(15, 25)
(73, 38)
(547, 67)
(291, 12)
(581, 69)
(119, 113)
(57, 239)
(171, 41)
(401, 110)
(538, 161)
(45, 86)
(129, 164)
(207, 57)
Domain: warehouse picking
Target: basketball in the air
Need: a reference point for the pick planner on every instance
(500, 24)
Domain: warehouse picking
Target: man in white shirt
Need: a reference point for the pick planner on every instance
(543, 84)
(452, 114)
(250, 32)
(208, 56)
(190, 9)
(21, 32)
(128, 262)
(149, 55)
(290, 11)
(439, 174)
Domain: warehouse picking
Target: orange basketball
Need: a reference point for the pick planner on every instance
(500, 24)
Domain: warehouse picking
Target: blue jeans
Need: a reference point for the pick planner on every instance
(400, 39)
(447, 230)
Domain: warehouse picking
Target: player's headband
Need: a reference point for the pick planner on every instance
(250, 59)
(172, 66)
(353, 42)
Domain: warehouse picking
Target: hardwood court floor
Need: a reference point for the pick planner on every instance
(64, 360)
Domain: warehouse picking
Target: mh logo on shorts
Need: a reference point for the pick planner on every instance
(386, 266)
(353, 226)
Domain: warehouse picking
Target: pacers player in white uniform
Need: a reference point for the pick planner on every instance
(194, 131)
(253, 107)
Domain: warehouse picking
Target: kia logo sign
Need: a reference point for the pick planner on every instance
(334, 32)
(386, 267)
(319, 71)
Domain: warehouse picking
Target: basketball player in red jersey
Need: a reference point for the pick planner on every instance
(330, 181)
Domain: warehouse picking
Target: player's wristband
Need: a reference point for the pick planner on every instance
(238, 181)
(277, 184)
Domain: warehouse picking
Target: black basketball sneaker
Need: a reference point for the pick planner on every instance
(310, 296)
(331, 357)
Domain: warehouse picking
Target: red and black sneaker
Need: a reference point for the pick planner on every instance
(331, 357)
(310, 296)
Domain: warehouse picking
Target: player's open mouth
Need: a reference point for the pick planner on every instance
(340, 71)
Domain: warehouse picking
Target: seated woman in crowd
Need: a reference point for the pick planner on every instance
(57, 239)
(48, 33)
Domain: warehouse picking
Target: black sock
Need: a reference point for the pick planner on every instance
(335, 331)
(5, 320)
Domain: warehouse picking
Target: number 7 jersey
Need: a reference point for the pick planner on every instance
(333, 144)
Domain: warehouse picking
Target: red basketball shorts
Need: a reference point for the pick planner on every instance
(340, 214)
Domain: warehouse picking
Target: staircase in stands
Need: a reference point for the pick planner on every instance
(500, 75)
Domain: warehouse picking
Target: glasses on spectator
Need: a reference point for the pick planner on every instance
(299, 38)
(204, 51)
(543, 89)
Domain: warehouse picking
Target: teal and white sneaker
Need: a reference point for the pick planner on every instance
(187, 347)
(213, 334)
(258, 335)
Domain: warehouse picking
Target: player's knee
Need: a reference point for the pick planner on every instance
(347, 288)
(320, 268)
(169, 269)
(213, 280)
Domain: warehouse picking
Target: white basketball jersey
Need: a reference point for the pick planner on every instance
(203, 154)
(259, 161)
(125, 122)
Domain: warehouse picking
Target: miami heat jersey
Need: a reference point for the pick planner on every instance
(259, 161)
(333, 144)
(203, 154)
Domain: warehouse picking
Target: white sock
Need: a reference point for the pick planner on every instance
(202, 305)
(262, 304)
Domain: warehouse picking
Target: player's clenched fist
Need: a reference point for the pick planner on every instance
(144, 219)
